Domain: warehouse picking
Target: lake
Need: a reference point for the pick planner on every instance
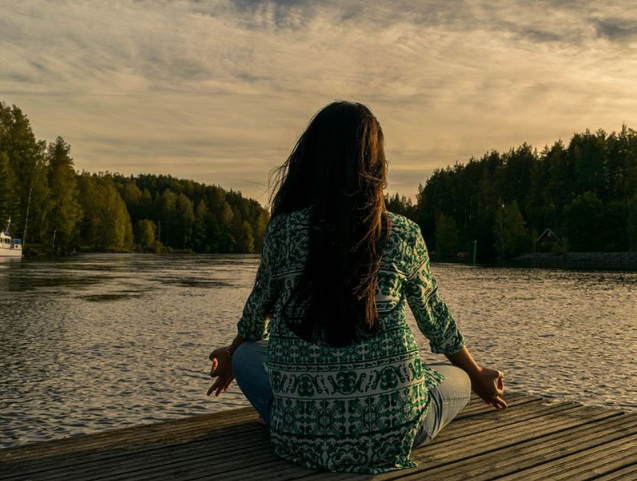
(97, 342)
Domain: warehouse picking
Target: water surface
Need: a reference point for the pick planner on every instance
(98, 342)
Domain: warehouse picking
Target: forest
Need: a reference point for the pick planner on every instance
(584, 192)
(59, 210)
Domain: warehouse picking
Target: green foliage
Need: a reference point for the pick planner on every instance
(632, 223)
(200, 230)
(447, 239)
(583, 219)
(39, 203)
(560, 248)
(544, 185)
(511, 236)
(9, 201)
(614, 235)
(185, 219)
(96, 212)
(585, 190)
(145, 232)
(259, 230)
(26, 173)
(106, 224)
(242, 233)
(65, 210)
(401, 205)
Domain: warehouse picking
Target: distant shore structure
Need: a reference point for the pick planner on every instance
(547, 240)
(9, 247)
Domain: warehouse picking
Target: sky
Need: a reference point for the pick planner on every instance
(218, 91)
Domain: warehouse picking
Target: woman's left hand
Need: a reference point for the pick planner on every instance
(221, 369)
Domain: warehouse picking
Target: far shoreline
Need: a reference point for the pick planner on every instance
(589, 261)
(616, 261)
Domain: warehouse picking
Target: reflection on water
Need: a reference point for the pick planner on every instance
(102, 341)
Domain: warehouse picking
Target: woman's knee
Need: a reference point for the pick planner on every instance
(249, 357)
(457, 383)
(464, 381)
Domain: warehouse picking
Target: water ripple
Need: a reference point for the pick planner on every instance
(104, 341)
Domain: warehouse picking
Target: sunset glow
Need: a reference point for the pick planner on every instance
(218, 91)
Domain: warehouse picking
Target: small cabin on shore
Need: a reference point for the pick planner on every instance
(547, 241)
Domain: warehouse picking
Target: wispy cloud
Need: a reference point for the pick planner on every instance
(218, 90)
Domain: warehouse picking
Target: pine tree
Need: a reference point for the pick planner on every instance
(145, 232)
(447, 237)
(510, 233)
(185, 219)
(66, 210)
(9, 200)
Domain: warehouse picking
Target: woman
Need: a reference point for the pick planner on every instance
(323, 351)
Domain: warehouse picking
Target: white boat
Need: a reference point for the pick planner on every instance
(9, 247)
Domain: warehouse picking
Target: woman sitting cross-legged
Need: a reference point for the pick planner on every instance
(323, 350)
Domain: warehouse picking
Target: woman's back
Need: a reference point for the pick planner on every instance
(356, 408)
(340, 381)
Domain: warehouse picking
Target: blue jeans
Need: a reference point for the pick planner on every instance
(447, 399)
(251, 376)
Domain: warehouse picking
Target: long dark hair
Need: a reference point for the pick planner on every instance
(338, 168)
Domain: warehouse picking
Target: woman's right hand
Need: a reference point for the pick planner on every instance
(489, 385)
(222, 369)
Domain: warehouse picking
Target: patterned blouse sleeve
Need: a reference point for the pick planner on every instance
(257, 313)
(431, 313)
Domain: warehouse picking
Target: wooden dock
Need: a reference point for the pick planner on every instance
(535, 439)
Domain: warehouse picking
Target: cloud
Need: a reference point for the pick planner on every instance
(219, 91)
(617, 30)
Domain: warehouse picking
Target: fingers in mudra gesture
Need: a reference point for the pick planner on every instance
(489, 385)
(222, 370)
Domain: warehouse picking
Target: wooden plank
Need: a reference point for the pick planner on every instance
(467, 453)
(627, 473)
(285, 470)
(533, 427)
(528, 453)
(167, 430)
(584, 465)
(175, 430)
(188, 461)
(106, 455)
(168, 454)
(477, 405)
(254, 450)
(167, 433)
(84, 463)
(216, 439)
(498, 420)
(535, 438)
(261, 457)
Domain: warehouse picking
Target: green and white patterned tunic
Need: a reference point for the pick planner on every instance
(356, 408)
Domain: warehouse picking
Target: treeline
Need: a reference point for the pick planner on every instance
(585, 193)
(59, 210)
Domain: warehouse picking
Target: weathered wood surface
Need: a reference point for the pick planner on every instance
(535, 439)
